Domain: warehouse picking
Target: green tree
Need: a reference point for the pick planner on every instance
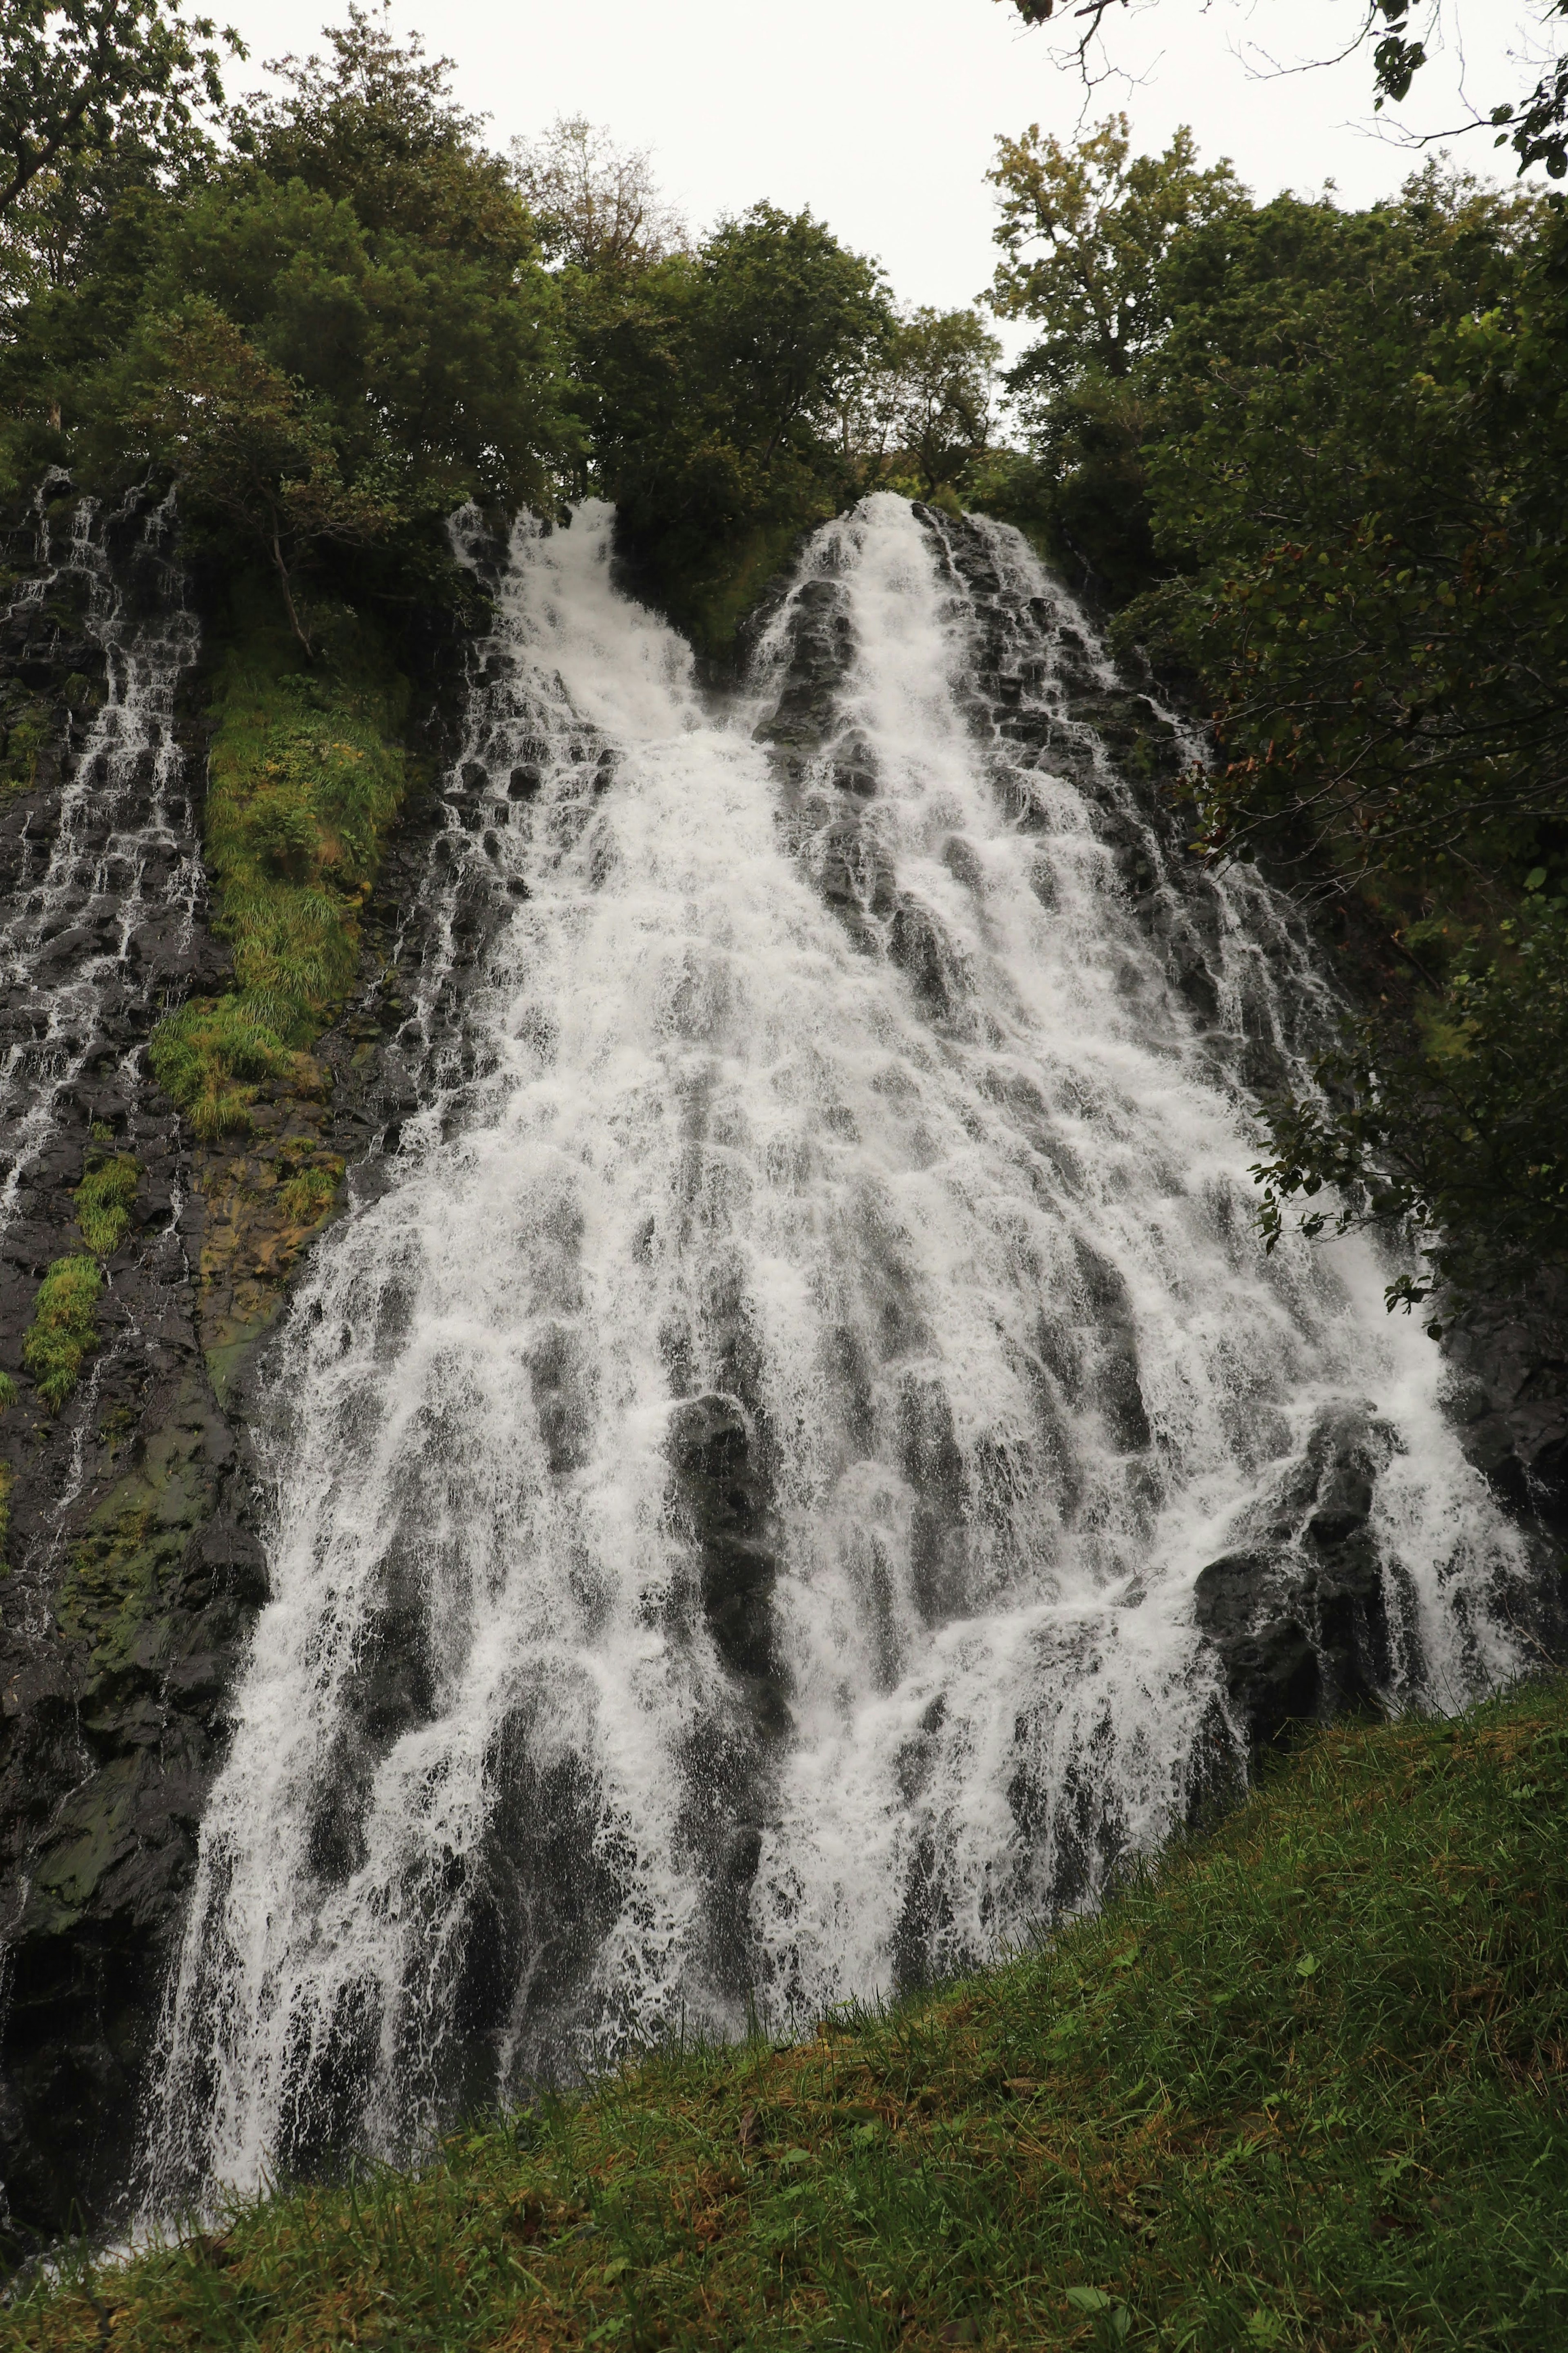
(76, 76)
(332, 337)
(713, 384)
(254, 453)
(1085, 231)
(1359, 420)
(922, 410)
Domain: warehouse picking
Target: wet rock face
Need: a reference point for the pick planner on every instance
(722, 1498)
(1509, 1393)
(128, 1570)
(1299, 1618)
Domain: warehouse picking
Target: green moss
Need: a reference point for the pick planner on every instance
(305, 776)
(103, 1200)
(1300, 2086)
(64, 1330)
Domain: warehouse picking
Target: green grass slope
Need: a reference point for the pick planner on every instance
(1301, 2086)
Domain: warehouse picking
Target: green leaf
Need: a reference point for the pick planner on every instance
(1089, 2299)
(1307, 1966)
(1535, 879)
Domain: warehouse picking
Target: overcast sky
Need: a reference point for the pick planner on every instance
(882, 114)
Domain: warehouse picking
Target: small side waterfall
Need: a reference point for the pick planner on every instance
(741, 1476)
(114, 883)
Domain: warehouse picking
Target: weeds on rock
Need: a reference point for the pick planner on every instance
(64, 1330)
(103, 1200)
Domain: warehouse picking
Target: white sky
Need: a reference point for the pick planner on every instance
(882, 114)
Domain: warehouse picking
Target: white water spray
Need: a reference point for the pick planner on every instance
(740, 1485)
(118, 874)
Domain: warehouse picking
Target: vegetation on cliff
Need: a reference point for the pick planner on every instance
(305, 774)
(64, 1330)
(1301, 2086)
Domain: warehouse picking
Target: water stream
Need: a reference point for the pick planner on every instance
(114, 881)
(740, 1473)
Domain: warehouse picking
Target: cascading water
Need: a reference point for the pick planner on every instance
(741, 1480)
(117, 879)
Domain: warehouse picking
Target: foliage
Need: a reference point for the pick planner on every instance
(330, 339)
(595, 205)
(25, 732)
(210, 1056)
(305, 776)
(713, 386)
(1322, 490)
(78, 78)
(64, 1330)
(309, 1193)
(104, 1197)
(1085, 230)
(1462, 1138)
(1358, 416)
(1297, 2086)
(8, 1392)
(918, 414)
(248, 448)
(1362, 419)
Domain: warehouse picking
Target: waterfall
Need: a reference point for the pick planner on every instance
(114, 884)
(741, 1473)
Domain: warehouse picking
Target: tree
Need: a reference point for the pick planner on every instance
(1400, 35)
(1359, 431)
(248, 448)
(1085, 230)
(713, 384)
(1354, 438)
(76, 76)
(1459, 1139)
(346, 317)
(596, 204)
(920, 408)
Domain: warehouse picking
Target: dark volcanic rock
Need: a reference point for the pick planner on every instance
(721, 1497)
(1299, 1617)
(1509, 1394)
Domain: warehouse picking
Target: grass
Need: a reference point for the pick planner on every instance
(103, 1200)
(1300, 2086)
(305, 775)
(64, 1330)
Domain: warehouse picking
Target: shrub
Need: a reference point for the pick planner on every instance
(103, 1200)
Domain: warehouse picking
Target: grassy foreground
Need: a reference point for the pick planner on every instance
(1300, 2086)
